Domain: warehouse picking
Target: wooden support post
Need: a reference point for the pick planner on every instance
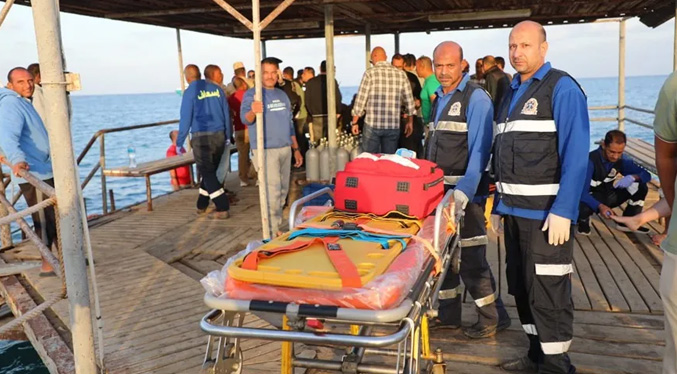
(5, 230)
(180, 51)
(397, 42)
(621, 75)
(5, 10)
(367, 42)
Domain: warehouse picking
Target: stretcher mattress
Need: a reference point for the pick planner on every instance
(384, 291)
(312, 267)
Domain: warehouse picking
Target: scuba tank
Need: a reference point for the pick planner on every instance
(342, 158)
(325, 155)
(312, 164)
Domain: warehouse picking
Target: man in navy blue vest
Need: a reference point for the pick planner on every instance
(461, 129)
(612, 180)
(539, 161)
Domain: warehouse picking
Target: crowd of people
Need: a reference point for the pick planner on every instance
(525, 136)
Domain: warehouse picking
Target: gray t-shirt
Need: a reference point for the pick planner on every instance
(665, 128)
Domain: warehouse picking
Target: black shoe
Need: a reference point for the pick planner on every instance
(478, 331)
(522, 365)
(584, 227)
(436, 324)
(503, 324)
(640, 230)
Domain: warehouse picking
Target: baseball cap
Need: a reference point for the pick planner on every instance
(238, 65)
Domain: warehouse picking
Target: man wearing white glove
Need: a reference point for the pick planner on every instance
(605, 190)
(461, 123)
(539, 161)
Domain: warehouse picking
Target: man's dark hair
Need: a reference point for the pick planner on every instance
(34, 69)
(615, 136)
(323, 66)
(310, 69)
(170, 135)
(9, 75)
(299, 73)
(271, 61)
(210, 70)
(500, 61)
(397, 56)
(409, 59)
(289, 70)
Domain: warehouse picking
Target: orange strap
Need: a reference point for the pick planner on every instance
(346, 269)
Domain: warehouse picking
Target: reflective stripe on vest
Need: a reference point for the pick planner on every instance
(527, 126)
(451, 126)
(527, 189)
(452, 179)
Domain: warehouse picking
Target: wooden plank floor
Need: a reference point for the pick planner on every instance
(149, 264)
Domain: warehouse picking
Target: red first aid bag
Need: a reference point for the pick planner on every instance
(383, 183)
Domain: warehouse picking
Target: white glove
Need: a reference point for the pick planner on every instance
(460, 202)
(559, 229)
(496, 224)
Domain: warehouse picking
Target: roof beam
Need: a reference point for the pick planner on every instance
(198, 10)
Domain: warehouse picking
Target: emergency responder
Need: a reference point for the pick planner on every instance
(540, 159)
(460, 143)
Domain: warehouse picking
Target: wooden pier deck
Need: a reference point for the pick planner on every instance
(149, 265)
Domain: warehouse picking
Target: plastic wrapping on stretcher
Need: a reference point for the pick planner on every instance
(385, 291)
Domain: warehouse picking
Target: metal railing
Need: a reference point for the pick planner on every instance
(622, 118)
(101, 164)
(8, 215)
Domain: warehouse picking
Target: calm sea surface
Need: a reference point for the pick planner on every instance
(92, 113)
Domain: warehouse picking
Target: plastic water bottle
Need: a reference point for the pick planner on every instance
(132, 156)
(405, 153)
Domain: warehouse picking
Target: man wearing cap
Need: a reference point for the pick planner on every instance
(279, 138)
(238, 71)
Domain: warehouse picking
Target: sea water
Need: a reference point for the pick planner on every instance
(93, 113)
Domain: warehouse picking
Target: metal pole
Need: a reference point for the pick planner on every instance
(258, 95)
(264, 52)
(69, 209)
(397, 42)
(178, 46)
(102, 161)
(621, 75)
(331, 83)
(367, 42)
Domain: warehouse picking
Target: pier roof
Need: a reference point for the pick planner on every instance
(305, 18)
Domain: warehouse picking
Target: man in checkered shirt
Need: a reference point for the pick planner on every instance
(383, 90)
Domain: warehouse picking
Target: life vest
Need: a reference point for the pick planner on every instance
(447, 145)
(601, 179)
(525, 160)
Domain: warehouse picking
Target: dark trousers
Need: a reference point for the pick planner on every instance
(300, 128)
(539, 276)
(380, 140)
(475, 272)
(415, 141)
(615, 198)
(208, 149)
(31, 195)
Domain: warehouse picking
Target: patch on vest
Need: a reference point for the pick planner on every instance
(612, 174)
(455, 109)
(530, 107)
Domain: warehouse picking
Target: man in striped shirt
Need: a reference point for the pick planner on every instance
(382, 91)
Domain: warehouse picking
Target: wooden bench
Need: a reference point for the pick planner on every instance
(642, 153)
(146, 169)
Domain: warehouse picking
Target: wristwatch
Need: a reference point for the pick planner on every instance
(294, 149)
(354, 124)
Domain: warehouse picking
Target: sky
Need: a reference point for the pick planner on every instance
(116, 57)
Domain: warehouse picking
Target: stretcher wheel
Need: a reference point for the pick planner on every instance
(455, 265)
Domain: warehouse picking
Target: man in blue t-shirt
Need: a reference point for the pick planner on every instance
(279, 139)
(205, 114)
(611, 181)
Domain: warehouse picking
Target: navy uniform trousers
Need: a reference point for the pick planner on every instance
(539, 276)
(475, 273)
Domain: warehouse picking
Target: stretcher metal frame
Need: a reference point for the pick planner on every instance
(407, 323)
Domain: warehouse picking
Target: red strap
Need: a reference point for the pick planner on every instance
(346, 269)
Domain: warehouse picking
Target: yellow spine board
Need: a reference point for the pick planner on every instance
(312, 268)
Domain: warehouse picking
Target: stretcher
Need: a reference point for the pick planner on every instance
(395, 327)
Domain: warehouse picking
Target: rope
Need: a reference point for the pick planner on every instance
(17, 322)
